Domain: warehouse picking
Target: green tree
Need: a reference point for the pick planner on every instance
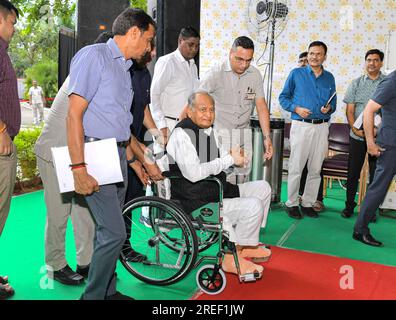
(142, 4)
(36, 39)
(46, 74)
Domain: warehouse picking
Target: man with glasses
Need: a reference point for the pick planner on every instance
(237, 87)
(318, 206)
(309, 96)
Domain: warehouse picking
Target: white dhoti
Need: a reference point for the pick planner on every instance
(244, 216)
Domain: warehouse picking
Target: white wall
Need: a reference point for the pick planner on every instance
(348, 27)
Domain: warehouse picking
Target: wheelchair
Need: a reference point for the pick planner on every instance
(175, 242)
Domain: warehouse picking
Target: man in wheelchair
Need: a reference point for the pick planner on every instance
(195, 152)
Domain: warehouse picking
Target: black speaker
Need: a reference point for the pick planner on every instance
(171, 16)
(67, 49)
(95, 17)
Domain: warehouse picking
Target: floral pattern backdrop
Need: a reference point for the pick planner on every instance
(348, 27)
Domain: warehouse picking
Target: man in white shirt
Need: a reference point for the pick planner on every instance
(194, 151)
(37, 102)
(175, 79)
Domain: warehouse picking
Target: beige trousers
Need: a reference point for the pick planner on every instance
(308, 145)
(59, 208)
(8, 165)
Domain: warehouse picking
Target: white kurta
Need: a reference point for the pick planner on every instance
(243, 216)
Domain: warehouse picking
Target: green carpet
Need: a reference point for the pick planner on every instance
(22, 248)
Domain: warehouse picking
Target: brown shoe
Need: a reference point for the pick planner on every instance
(247, 267)
(257, 255)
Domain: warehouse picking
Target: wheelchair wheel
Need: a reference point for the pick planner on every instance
(210, 281)
(205, 238)
(168, 241)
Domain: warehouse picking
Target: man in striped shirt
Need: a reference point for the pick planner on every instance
(10, 121)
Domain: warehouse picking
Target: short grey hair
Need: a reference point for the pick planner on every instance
(193, 97)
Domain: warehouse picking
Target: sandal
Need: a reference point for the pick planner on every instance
(318, 206)
(246, 267)
(257, 255)
(6, 291)
(3, 280)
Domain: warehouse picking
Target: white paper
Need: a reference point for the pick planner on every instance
(103, 163)
(359, 121)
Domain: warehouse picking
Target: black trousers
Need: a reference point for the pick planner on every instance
(376, 193)
(304, 180)
(357, 154)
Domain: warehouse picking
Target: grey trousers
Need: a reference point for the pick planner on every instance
(376, 193)
(8, 166)
(106, 207)
(59, 208)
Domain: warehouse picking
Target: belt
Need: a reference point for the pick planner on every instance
(314, 121)
(121, 144)
(171, 118)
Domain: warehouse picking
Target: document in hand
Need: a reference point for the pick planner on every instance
(331, 98)
(103, 163)
(359, 121)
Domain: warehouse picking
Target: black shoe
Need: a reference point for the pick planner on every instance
(134, 256)
(349, 210)
(367, 239)
(66, 276)
(294, 212)
(347, 213)
(83, 271)
(373, 219)
(119, 296)
(310, 212)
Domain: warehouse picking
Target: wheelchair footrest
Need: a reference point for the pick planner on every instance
(250, 277)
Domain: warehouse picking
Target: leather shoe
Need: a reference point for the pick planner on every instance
(367, 239)
(119, 296)
(374, 219)
(134, 256)
(83, 271)
(310, 212)
(66, 276)
(349, 210)
(347, 213)
(294, 212)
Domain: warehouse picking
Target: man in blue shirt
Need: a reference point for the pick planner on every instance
(384, 148)
(306, 95)
(100, 96)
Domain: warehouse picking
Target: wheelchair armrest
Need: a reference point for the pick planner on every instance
(172, 175)
(178, 175)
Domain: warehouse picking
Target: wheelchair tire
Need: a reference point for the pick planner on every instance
(209, 282)
(169, 227)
